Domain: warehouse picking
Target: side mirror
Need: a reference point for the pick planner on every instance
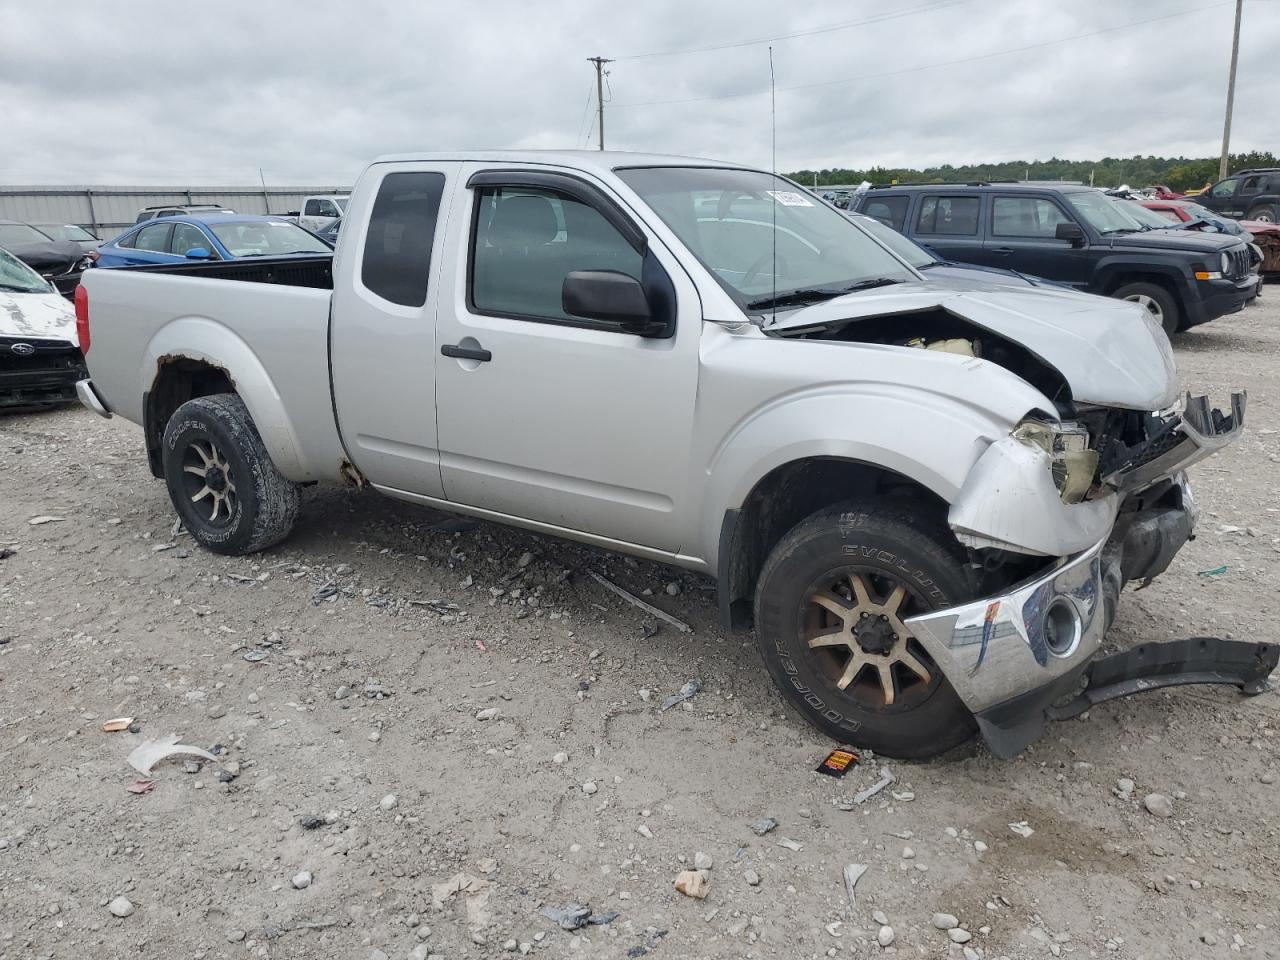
(198, 253)
(611, 297)
(1070, 231)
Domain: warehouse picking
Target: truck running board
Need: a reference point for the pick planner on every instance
(1152, 666)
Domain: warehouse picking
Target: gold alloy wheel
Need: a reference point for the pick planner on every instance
(207, 477)
(861, 625)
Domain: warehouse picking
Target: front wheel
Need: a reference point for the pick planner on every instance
(229, 494)
(830, 611)
(1156, 300)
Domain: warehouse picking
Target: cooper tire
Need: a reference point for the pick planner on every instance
(228, 493)
(884, 546)
(1158, 301)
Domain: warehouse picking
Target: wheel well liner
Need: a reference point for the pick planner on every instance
(178, 379)
(780, 500)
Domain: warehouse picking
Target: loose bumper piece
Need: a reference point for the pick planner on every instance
(89, 398)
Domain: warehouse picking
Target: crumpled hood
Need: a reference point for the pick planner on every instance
(37, 316)
(1108, 351)
(56, 256)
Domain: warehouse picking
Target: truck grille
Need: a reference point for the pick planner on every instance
(47, 373)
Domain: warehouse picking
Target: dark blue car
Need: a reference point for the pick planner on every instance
(214, 236)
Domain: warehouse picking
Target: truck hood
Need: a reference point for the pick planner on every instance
(1188, 241)
(37, 316)
(1108, 351)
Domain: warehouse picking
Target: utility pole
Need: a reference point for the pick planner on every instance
(600, 62)
(1231, 94)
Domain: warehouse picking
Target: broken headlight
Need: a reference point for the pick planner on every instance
(1071, 461)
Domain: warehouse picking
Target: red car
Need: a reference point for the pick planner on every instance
(1265, 236)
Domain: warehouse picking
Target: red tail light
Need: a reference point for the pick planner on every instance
(82, 317)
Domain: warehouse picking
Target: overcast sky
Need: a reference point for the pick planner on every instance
(133, 91)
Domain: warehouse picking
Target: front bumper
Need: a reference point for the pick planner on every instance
(1211, 299)
(46, 374)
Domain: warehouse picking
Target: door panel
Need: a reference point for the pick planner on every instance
(382, 335)
(950, 225)
(1020, 236)
(584, 427)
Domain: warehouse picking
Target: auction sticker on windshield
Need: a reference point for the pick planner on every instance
(789, 198)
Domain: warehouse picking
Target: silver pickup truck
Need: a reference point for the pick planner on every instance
(927, 495)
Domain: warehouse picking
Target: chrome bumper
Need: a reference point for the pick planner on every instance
(89, 398)
(999, 648)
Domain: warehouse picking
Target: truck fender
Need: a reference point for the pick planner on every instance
(207, 341)
(931, 440)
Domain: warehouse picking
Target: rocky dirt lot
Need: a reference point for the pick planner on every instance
(428, 730)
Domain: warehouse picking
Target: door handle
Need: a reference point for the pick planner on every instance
(466, 353)
(1003, 251)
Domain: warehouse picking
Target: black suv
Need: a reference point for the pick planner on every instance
(1074, 235)
(1247, 195)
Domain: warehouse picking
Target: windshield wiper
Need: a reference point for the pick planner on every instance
(816, 294)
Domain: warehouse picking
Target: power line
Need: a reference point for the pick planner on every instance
(931, 66)
(830, 28)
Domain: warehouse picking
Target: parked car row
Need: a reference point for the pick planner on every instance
(209, 236)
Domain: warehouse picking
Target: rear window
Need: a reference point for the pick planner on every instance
(888, 210)
(402, 229)
(954, 216)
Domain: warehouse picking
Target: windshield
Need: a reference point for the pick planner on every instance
(266, 238)
(1146, 217)
(67, 231)
(908, 250)
(17, 277)
(341, 203)
(20, 233)
(1102, 213)
(725, 217)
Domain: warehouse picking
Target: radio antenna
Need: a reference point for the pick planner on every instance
(773, 164)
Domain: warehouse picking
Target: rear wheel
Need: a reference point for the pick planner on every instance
(229, 494)
(1264, 213)
(1156, 300)
(831, 606)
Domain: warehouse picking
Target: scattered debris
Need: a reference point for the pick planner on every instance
(763, 826)
(1158, 805)
(906, 796)
(7, 552)
(458, 883)
(488, 713)
(439, 606)
(632, 599)
(312, 822)
(644, 831)
(1215, 572)
(1021, 828)
(574, 915)
(120, 907)
(852, 874)
(117, 725)
(647, 630)
(693, 883)
(752, 878)
(328, 592)
(38, 521)
(150, 752)
(141, 786)
(480, 646)
(885, 936)
(837, 763)
(886, 778)
(301, 880)
(389, 802)
(256, 655)
(792, 845)
(687, 691)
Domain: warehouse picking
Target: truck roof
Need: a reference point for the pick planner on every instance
(595, 160)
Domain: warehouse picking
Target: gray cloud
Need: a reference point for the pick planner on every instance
(149, 92)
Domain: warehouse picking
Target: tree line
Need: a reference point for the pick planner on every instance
(1179, 173)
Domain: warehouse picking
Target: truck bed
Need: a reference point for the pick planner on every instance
(315, 272)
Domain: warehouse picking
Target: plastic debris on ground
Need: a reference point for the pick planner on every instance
(150, 752)
(38, 521)
(1215, 572)
(837, 763)
(574, 915)
(141, 786)
(693, 883)
(117, 725)
(687, 691)
(1021, 828)
(852, 874)
(763, 826)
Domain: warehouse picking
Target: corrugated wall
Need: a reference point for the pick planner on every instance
(106, 211)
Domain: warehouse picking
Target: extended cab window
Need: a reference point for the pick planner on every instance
(527, 240)
(312, 209)
(1025, 217)
(955, 216)
(402, 230)
(888, 210)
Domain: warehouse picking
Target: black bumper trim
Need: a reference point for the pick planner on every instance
(1010, 727)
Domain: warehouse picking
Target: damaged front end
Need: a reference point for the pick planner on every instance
(1115, 507)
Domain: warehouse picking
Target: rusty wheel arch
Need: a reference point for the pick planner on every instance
(177, 380)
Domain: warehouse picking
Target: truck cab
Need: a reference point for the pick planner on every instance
(319, 212)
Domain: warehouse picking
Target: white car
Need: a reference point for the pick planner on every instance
(320, 211)
(40, 358)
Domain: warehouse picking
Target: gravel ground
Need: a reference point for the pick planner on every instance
(375, 808)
